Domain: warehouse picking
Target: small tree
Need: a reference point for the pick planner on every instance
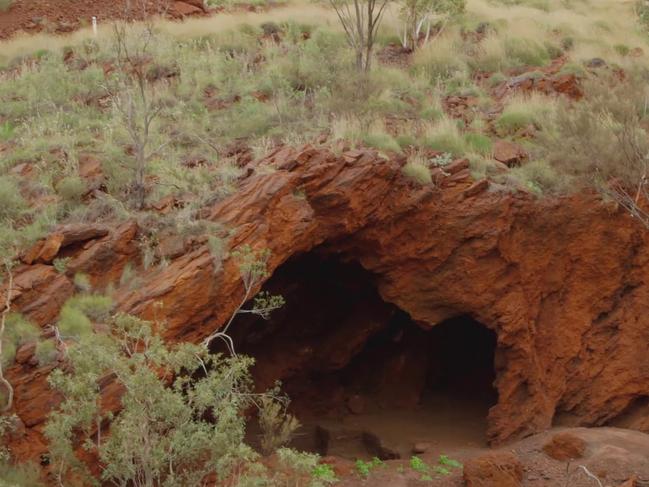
(252, 267)
(360, 20)
(135, 98)
(418, 15)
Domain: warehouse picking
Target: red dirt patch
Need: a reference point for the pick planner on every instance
(68, 15)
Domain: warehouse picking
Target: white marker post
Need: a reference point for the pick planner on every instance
(94, 26)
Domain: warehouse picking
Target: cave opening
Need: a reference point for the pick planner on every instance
(364, 379)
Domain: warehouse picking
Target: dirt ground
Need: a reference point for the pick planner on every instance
(614, 455)
(67, 15)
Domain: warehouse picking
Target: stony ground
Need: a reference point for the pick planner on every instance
(555, 458)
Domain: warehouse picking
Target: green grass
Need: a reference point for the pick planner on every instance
(417, 172)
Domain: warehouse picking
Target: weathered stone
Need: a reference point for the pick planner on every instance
(422, 447)
(509, 153)
(456, 166)
(495, 469)
(356, 404)
(476, 188)
(571, 335)
(376, 448)
(564, 447)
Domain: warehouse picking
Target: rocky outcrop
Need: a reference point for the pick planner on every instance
(563, 282)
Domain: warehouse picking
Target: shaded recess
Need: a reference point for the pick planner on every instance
(365, 379)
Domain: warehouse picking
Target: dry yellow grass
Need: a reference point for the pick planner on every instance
(596, 26)
(193, 27)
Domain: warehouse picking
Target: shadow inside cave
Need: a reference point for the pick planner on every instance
(364, 379)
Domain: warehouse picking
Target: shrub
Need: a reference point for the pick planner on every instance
(417, 172)
(5, 5)
(444, 136)
(440, 60)
(12, 204)
(276, 425)
(19, 475)
(603, 140)
(478, 143)
(526, 52)
(162, 432)
(523, 111)
(18, 331)
(381, 141)
(538, 177)
(6, 131)
(71, 188)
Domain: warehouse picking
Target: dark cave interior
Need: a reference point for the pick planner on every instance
(354, 365)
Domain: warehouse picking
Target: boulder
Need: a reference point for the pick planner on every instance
(509, 153)
(565, 447)
(184, 9)
(356, 404)
(495, 469)
(375, 447)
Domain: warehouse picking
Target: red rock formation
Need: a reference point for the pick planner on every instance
(563, 282)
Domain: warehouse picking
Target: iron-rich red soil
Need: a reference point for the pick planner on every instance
(59, 16)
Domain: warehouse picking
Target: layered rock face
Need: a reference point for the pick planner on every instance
(562, 282)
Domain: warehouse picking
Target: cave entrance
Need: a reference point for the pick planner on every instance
(364, 379)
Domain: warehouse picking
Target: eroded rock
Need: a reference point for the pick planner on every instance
(565, 447)
(496, 469)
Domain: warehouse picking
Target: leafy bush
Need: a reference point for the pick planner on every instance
(5, 5)
(161, 433)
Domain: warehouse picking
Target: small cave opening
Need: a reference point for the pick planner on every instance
(364, 379)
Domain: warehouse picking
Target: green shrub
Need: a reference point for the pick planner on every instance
(172, 434)
(381, 141)
(6, 131)
(46, 352)
(417, 172)
(478, 143)
(5, 5)
(622, 50)
(18, 332)
(538, 177)
(574, 69)
(496, 79)
(12, 204)
(445, 137)
(19, 475)
(523, 111)
(71, 188)
(603, 138)
(510, 122)
(526, 52)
